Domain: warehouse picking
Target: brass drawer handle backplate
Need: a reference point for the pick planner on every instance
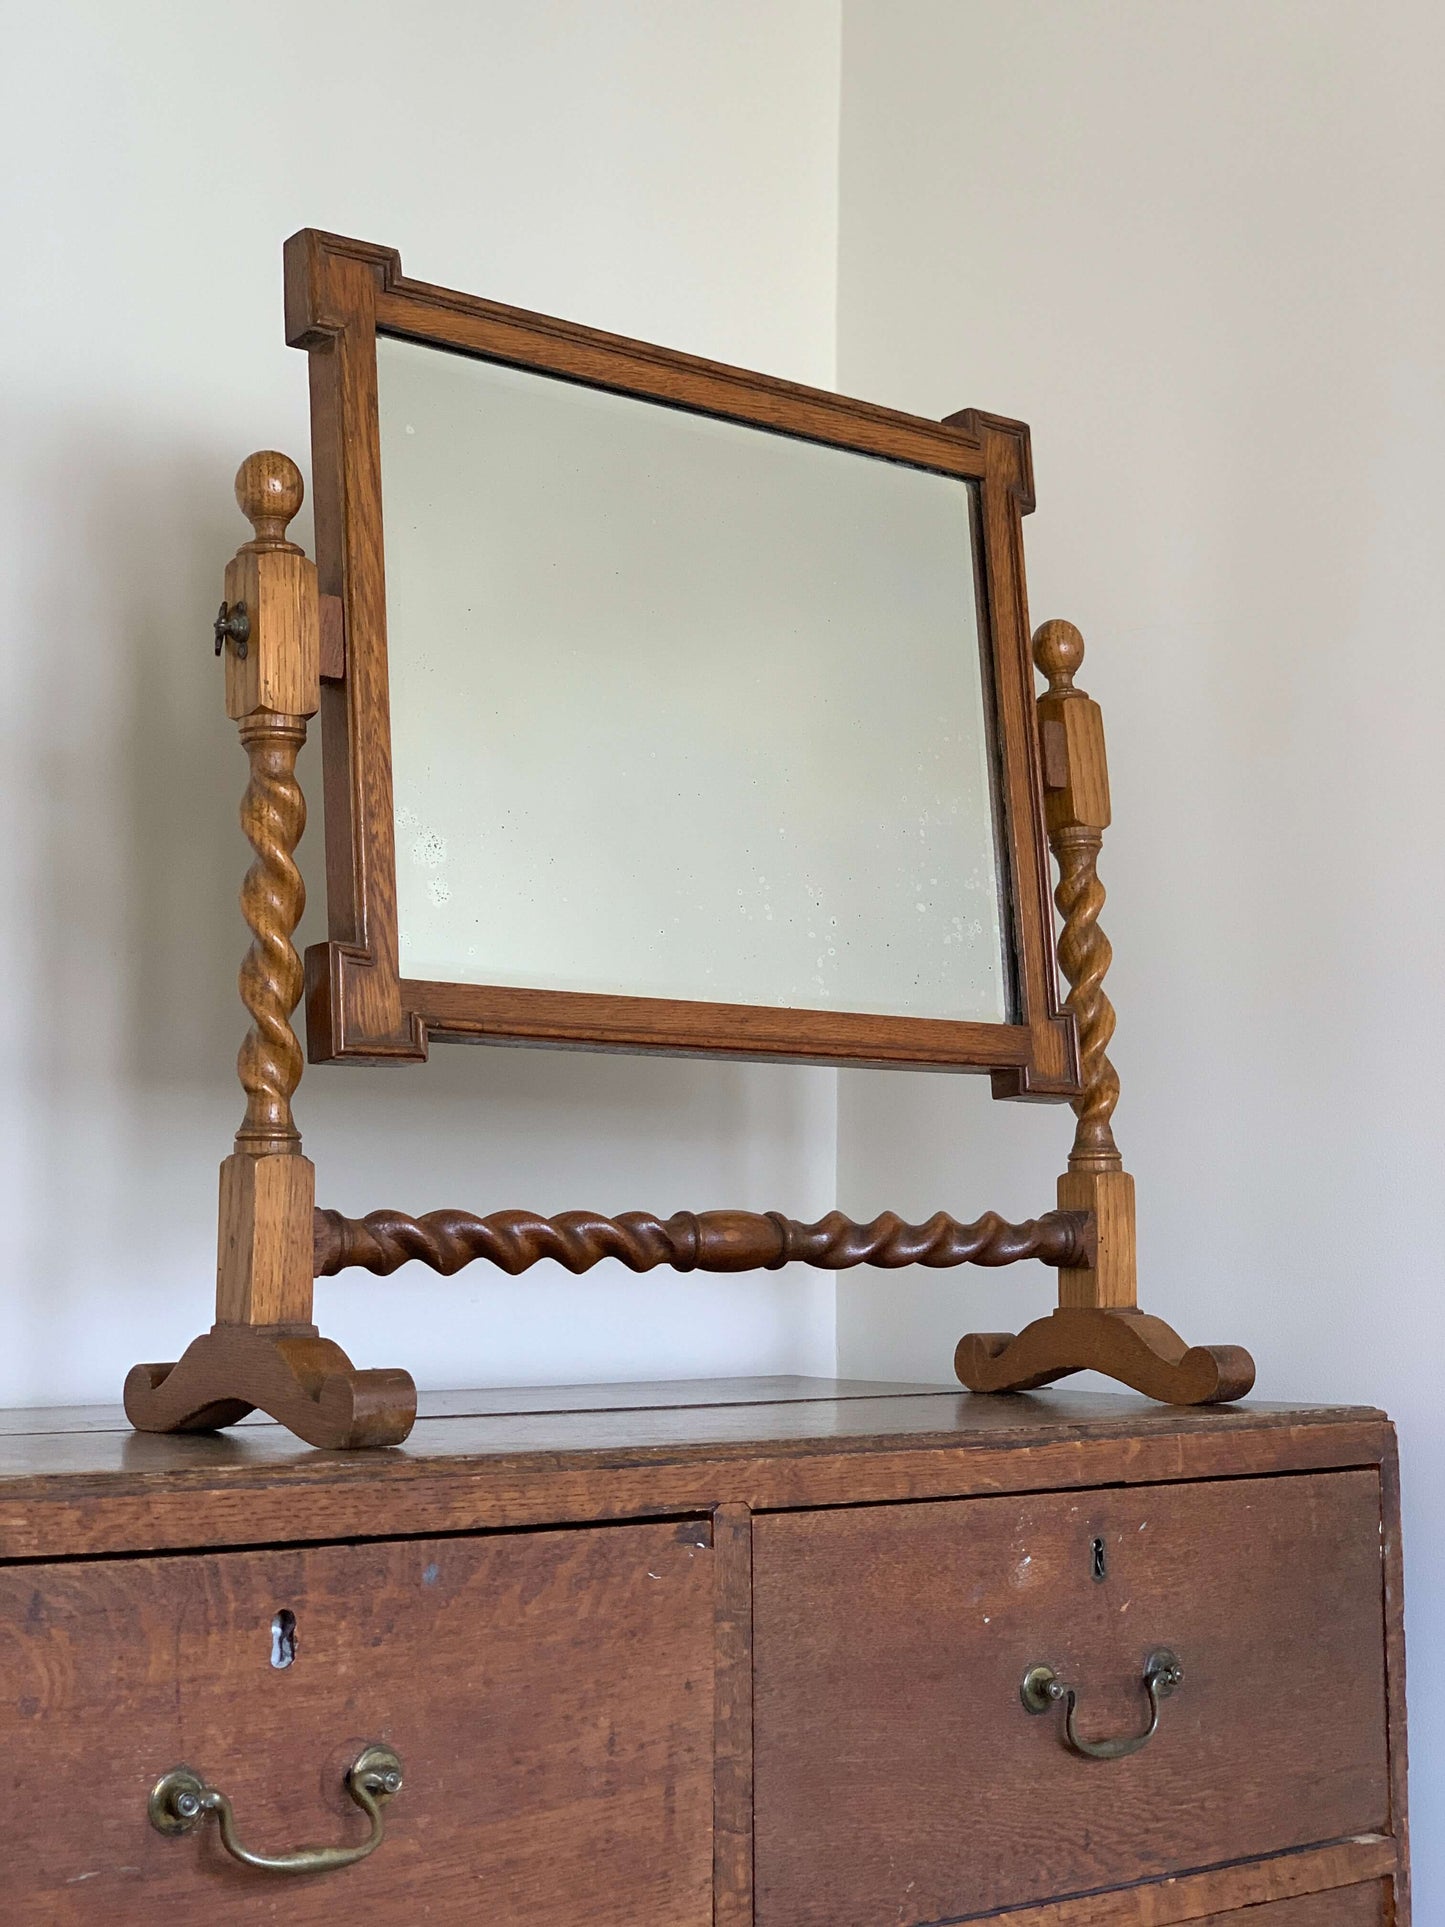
(1042, 1688)
(180, 1802)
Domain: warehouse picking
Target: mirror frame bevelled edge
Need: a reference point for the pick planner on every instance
(340, 294)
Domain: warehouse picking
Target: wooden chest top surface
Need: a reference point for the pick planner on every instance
(78, 1480)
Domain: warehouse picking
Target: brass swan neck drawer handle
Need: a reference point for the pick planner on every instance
(1042, 1688)
(180, 1802)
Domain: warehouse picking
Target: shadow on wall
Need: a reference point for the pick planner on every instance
(126, 778)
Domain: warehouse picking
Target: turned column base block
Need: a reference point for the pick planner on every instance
(292, 1374)
(1129, 1346)
(1110, 1282)
(264, 1242)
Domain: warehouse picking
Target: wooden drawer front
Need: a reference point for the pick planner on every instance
(1345, 1907)
(898, 1777)
(550, 1696)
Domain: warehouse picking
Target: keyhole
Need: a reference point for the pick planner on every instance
(1099, 1560)
(283, 1638)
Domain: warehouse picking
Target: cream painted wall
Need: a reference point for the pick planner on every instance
(1199, 247)
(665, 170)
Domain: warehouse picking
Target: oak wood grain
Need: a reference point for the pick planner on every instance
(1076, 807)
(1110, 1283)
(93, 1492)
(550, 1696)
(422, 310)
(733, 1759)
(302, 1380)
(1097, 1324)
(615, 1395)
(1006, 496)
(1131, 1347)
(355, 976)
(339, 294)
(332, 653)
(263, 1350)
(1392, 1553)
(1362, 1906)
(510, 1653)
(727, 1241)
(677, 1027)
(272, 688)
(898, 1777)
(273, 898)
(1347, 1884)
(263, 1262)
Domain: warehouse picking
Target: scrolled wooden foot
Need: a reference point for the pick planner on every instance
(303, 1381)
(1139, 1351)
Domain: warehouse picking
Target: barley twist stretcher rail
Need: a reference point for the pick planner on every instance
(692, 1241)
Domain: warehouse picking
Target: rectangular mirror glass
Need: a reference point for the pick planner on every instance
(681, 708)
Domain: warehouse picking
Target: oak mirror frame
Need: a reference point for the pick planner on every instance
(342, 296)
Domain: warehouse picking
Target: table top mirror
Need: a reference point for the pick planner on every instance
(665, 707)
(680, 708)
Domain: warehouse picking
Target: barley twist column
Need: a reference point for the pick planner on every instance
(1098, 1324)
(273, 896)
(1076, 809)
(263, 1350)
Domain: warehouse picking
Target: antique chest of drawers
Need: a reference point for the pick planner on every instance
(798, 1652)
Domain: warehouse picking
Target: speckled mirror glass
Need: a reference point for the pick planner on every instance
(681, 708)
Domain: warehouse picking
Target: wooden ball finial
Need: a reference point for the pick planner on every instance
(1058, 653)
(270, 491)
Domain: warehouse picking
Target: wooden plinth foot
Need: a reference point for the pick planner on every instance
(1137, 1350)
(298, 1378)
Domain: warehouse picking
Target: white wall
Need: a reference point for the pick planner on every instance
(665, 170)
(1199, 248)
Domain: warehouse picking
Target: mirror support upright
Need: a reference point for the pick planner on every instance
(263, 1350)
(1098, 1325)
